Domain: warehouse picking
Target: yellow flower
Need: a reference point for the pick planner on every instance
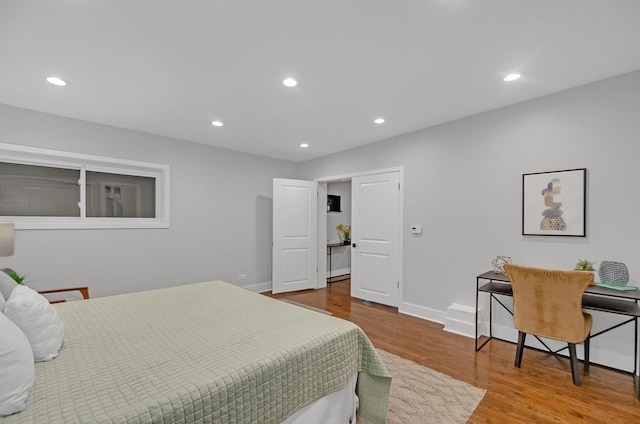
(344, 229)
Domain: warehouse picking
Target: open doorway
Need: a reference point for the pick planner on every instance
(338, 231)
(374, 257)
(302, 234)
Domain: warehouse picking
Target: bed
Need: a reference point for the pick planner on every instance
(205, 352)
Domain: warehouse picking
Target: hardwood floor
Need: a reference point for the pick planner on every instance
(541, 391)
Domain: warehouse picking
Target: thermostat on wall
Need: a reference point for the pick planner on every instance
(416, 229)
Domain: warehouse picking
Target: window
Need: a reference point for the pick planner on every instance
(120, 196)
(30, 190)
(42, 188)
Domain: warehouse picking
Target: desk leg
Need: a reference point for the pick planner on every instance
(330, 254)
(477, 286)
(636, 378)
(490, 317)
(635, 346)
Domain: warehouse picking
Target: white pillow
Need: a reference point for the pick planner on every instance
(7, 284)
(17, 371)
(2, 302)
(38, 320)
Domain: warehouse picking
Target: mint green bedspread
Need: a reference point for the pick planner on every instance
(201, 353)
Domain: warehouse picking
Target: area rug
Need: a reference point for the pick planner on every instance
(421, 395)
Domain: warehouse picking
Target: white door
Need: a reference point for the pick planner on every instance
(375, 237)
(295, 247)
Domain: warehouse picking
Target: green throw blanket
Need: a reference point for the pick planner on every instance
(201, 353)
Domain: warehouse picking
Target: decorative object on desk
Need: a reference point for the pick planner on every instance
(613, 273)
(499, 262)
(7, 238)
(584, 265)
(553, 203)
(345, 232)
(333, 203)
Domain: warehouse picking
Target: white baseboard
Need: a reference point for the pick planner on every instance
(459, 320)
(338, 272)
(260, 288)
(422, 312)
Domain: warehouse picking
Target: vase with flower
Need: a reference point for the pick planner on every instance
(345, 232)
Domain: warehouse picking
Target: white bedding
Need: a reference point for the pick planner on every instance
(336, 408)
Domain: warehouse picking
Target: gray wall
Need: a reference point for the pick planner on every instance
(220, 214)
(463, 184)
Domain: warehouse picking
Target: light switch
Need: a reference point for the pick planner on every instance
(416, 229)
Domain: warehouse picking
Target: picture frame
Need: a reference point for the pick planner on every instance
(333, 203)
(554, 203)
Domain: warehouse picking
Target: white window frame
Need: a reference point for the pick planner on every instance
(27, 155)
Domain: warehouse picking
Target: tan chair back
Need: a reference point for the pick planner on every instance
(548, 302)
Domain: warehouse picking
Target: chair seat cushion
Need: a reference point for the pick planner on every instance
(584, 332)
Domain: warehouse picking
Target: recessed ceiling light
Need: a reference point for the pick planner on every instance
(379, 121)
(290, 82)
(217, 124)
(56, 81)
(512, 77)
(304, 145)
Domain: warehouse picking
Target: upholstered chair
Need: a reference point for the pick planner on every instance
(548, 303)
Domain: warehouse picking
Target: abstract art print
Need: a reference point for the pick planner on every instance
(554, 203)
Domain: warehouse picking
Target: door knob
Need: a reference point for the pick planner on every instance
(354, 245)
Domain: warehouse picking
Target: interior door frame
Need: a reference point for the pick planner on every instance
(321, 271)
(322, 222)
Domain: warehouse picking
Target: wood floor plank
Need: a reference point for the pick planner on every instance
(541, 391)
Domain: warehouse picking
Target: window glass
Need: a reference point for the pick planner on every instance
(29, 190)
(120, 196)
(50, 189)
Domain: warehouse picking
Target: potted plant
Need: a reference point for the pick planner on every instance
(584, 265)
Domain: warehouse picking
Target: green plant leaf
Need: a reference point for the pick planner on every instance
(17, 278)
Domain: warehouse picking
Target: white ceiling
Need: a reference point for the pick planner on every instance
(170, 67)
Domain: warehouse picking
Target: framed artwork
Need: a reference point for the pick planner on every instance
(554, 203)
(333, 203)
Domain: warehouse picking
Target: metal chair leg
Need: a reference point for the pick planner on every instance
(521, 338)
(575, 373)
(587, 345)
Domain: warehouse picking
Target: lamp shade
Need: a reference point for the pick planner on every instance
(7, 238)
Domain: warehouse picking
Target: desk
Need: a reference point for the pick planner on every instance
(595, 298)
(330, 248)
